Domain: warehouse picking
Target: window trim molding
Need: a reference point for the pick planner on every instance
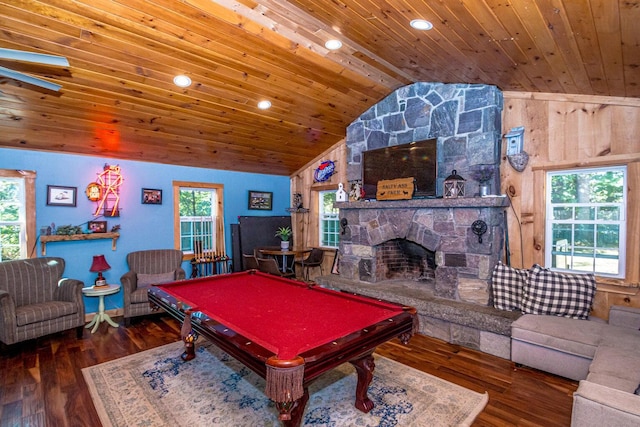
(30, 206)
(319, 218)
(177, 185)
(621, 223)
(632, 270)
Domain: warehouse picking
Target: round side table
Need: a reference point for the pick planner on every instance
(100, 316)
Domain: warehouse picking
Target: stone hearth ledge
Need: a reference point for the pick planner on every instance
(471, 325)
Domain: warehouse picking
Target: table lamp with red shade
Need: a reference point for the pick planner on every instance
(99, 265)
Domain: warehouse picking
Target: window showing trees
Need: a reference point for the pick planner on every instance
(12, 214)
(329, 226)
(17, 214)
(586, 226)
(199, 219)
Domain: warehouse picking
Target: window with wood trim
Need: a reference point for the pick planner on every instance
(198, 219)
(17, 214)
(586, 220)
(329, 225)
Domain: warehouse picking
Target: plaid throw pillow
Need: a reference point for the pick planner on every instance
(507, 284)
(557, 294)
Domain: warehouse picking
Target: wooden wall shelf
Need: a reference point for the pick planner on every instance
(76, 237)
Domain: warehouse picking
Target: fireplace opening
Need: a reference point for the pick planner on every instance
(404, 259)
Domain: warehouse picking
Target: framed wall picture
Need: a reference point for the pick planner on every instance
(260, 200)
(97, 226)
(151, 196)
(61, 196)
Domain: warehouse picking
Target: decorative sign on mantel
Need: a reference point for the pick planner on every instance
(395, 189)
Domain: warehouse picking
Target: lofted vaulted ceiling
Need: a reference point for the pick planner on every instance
(118, 100)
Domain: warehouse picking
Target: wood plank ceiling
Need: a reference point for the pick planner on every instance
(118, 100)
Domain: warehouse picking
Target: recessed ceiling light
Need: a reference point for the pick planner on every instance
(182, 81)
(264, 105)
(333, 44)
(421, 24)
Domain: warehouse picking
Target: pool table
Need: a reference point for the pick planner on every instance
(288, 332)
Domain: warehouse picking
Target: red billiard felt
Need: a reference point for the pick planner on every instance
(283, 316)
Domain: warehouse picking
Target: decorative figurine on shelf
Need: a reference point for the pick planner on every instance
(356, 192)
(341, 195)
(297, 204)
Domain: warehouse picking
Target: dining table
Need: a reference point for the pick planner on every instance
(285, 257)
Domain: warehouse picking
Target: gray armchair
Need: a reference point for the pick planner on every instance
(35, 300)
(145, 269)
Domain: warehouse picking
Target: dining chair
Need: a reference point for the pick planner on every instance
(250, 262)
(314, 259)
(270, 266)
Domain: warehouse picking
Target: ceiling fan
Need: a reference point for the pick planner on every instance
(30, 62)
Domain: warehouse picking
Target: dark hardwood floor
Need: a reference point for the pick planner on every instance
(41, 382)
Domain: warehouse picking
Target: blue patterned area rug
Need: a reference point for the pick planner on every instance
(156, 388)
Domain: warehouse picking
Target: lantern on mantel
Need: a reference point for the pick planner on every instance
(453, 186)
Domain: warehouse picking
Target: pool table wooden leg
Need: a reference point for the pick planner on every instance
(291, 412)
(364, 367)
(189, 337)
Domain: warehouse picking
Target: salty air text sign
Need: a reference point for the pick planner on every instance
(395, 189)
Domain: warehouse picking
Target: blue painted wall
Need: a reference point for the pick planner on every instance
(142, 226)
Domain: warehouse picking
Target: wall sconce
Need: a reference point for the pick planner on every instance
(343, 225)
(453, 186)
(99, 265)
(479, 227)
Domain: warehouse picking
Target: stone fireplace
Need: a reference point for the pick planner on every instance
(466, 120)
(431, 242)
(424, 252)
(431, 260)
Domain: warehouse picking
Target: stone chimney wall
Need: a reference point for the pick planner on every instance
(466, 120)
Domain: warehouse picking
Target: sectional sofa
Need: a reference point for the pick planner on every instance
(603, 356)
(555, 334)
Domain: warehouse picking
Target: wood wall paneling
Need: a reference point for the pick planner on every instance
(563, 132)
(306, 224)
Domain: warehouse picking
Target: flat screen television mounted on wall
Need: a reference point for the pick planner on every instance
(416, 159)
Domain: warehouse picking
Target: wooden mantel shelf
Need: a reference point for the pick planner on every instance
(461, 202)
(75, 237)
